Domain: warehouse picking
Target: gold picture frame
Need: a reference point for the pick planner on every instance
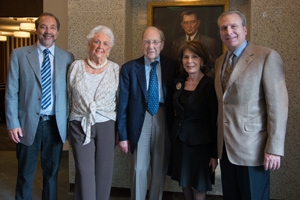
(167, 17)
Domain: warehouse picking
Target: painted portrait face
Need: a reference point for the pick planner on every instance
(152, 43)
(232, 31)
(47, 31)
(190, 24)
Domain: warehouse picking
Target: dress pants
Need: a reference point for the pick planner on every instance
(244, 182)
(47, 139)
(93, 161)
(152, 151)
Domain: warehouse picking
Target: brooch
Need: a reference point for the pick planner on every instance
(178, 86)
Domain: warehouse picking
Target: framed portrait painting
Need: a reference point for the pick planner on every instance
(183, 21)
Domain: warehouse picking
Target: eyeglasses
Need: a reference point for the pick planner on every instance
(154, 42)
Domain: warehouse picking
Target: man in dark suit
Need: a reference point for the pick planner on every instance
(34, 121)
(253, 111)
(142, 133)
(190, 23)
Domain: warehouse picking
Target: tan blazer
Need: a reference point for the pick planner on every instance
(253, 109)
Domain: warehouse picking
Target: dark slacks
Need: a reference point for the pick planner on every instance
(93, 161)
(48, 141)
(244, 182)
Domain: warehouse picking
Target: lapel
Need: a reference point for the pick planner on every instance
(218, 79)
(33, 59)
(141, 76)
(198, 90)
(56, 61)
(242, 63)
(164, 75)
(179, 87)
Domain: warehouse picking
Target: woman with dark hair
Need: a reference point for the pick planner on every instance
(194, 141)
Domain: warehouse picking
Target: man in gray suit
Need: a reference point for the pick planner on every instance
(253, 111)
(31, 125)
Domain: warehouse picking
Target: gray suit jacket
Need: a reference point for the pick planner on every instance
(253, 109)
(24, 92)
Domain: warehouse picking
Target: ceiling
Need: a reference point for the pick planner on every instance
(9, 24)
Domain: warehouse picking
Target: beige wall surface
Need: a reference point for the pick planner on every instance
(60, 9)
(271, 23)
(276, 24)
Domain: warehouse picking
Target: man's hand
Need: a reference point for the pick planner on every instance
(271, 162)
(15, 134)
(124, 145)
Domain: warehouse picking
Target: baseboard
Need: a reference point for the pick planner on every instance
(125, 192)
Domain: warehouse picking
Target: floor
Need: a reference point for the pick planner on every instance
(8, 173)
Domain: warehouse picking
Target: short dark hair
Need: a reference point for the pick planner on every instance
(189, 12)
(37, 22)
(199, 49)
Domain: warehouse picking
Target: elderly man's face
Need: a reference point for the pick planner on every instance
(190, 24)
(152, 43)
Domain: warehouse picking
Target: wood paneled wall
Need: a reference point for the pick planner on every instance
(6, 49)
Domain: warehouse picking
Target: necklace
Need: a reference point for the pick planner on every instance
(96, 66)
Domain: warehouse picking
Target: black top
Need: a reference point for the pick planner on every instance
(196, 120)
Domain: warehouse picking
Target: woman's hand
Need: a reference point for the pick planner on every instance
(213, 163)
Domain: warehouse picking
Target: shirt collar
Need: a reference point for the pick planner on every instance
(240, 49)
(192, 37)
(41, 48)
(148, 62)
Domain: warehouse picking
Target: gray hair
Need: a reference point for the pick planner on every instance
(242, 16)
(102, 29)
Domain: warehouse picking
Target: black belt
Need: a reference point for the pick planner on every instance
(44, 118)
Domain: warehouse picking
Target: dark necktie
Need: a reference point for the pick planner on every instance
(228, 70)
(189, 38)
(153, 95)
(46, 80)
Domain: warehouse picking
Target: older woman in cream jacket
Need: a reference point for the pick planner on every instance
(92, 86)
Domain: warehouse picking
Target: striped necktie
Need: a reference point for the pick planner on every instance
(46, 80)
(153, 95)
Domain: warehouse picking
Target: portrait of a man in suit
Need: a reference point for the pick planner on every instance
(182, 23)
(190, 23)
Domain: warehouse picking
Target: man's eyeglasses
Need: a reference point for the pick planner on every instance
(154, 42)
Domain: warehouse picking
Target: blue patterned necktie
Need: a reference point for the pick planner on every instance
(46, 80)
(153, 95)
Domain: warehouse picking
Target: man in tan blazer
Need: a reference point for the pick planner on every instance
(253, 111)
